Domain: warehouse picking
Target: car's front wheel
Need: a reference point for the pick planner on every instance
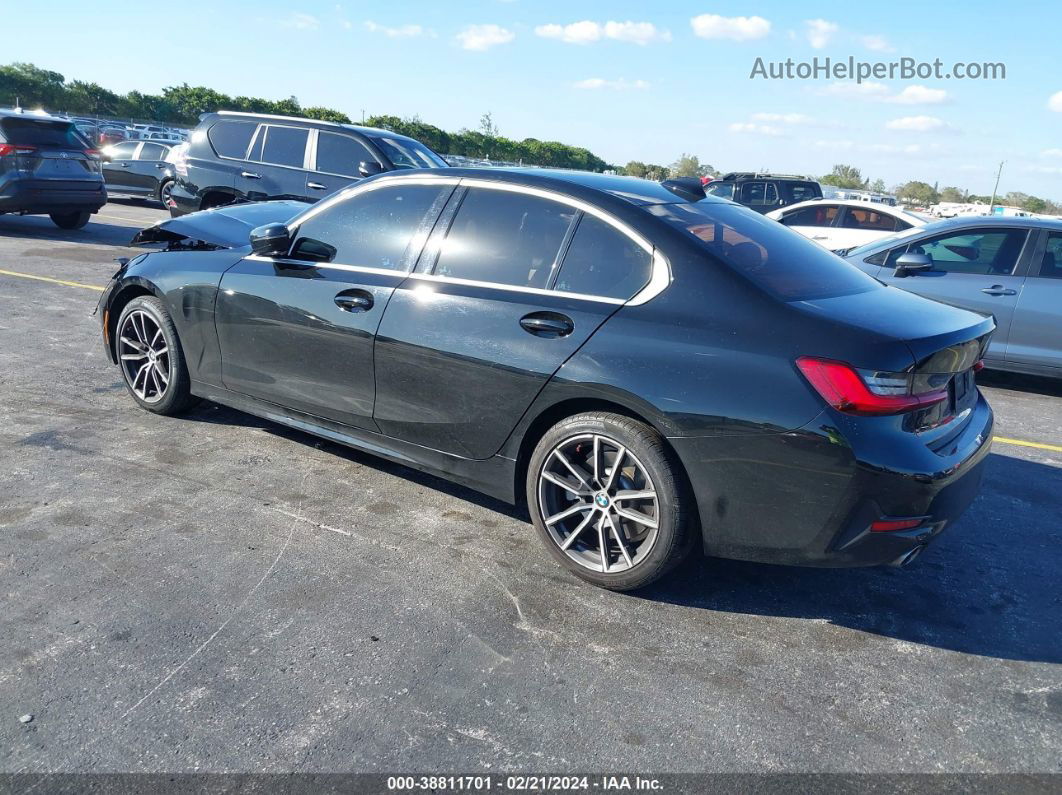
(150, 357)
(608, 499)
(75, 220)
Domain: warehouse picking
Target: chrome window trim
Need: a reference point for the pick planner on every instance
(339, 266)
(659, 277)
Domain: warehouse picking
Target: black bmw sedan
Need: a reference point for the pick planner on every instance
(649, 369)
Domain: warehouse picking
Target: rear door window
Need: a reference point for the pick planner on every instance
(724, 190)
(341, 154)
(818, 215)
(152, 152)
(801, 191)
(868, 220)
(1051, 264)
(231, 138)
(284, 146)
(504, 237)
(603, 261)
(123, 151)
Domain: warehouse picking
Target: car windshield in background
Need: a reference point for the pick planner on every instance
(786, 264)
(38, 132)
(409, 154)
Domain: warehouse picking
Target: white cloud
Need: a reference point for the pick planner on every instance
(876, 43)
(635, 32)
(298, 21)
(1052, 153)
(713, 26)
(755, 129)
(483, 37)
(819, 32)
(920, 95)
(401, 32)
(592, 83)
(906, 149)
(879, 92)
(588, 31)
(916, 124)
(786, 118)
(1055, 102)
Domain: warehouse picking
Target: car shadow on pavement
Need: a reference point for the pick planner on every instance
(987, 586)
(35, 228)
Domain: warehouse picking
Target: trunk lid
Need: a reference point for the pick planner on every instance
(49, 149)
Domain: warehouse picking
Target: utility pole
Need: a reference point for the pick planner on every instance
(992, 204)
(363, 115)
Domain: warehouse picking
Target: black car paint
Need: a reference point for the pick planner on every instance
(210, 179)
(709, 363)
(133, 176)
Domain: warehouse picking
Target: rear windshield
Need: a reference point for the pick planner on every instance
(409, 154)
(39, 132)
(772, 256)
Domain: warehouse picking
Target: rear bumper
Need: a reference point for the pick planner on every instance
(44, 196)
(183, 201)
(808, 497)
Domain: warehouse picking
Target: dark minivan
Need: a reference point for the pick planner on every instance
(764, 192)
(254, 157)
(48, 168)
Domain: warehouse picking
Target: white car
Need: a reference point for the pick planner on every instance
(843, 224)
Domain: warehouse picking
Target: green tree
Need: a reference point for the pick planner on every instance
(951, 194)
(326, 114)
(844, 176)
(920, 193)
(878, 185)
(691, 166)
(635, 168)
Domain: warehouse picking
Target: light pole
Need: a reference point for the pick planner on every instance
(992, 204)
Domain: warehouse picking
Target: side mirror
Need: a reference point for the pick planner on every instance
(368, 169)
(912, 263)
(270, 240)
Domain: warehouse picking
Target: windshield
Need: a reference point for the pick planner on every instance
(770, 255)
(888, 242)
(409, 154)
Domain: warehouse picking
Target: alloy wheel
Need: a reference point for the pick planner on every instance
(598, 503)
(144, 355)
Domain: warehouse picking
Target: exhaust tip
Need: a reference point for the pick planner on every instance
(908, 557)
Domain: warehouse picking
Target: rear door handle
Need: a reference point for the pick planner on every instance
(316, 186)
(250, 175)
(547, 324)
(354, 301)
(998, 289)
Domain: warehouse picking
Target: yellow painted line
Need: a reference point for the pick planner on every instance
(147, 222)
(53, 281)
(1021, 443)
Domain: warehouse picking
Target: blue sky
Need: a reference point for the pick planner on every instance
(628, 80)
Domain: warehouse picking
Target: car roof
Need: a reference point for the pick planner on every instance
(32, 115)
(971, 221)
(888, 209)
(632, 190)
(369, 131)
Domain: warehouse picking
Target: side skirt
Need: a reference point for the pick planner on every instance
(492, 476)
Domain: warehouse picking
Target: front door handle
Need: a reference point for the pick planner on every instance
(316, 186)
(354, 301)
(160, 165)
(547, 324)
(250, 175)
(125, 165)
(998, 289)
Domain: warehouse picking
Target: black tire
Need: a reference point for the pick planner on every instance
(671, 508)
(176, 396)
(163, 193)
(75, 220)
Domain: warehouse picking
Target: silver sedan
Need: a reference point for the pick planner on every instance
(1010, 268)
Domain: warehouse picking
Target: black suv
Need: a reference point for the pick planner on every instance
(48, 168)
(253, 157)
(764, 192)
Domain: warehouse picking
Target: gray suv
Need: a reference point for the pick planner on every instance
(48, 168)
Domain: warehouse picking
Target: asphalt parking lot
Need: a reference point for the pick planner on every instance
(216, 593)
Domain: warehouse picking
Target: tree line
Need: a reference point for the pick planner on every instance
(182, 105)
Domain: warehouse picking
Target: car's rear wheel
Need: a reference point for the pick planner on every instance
(150, 357)
(609, 501)
(75, 220)
(165, 189)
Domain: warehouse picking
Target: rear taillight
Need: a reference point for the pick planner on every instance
(894, 525)
(856, 391)
(93, 153)
(9, 150)
(979, 365)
